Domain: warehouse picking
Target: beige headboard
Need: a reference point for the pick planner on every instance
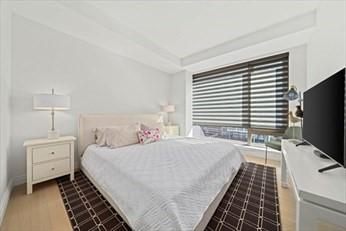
(87, 122)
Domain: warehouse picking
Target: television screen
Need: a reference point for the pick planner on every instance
(324, 109)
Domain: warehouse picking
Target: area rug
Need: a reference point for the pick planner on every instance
(250, 203)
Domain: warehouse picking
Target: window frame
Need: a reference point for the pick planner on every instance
(249, 66)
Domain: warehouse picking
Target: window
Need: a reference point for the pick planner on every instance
(233, 133)
(244, 99)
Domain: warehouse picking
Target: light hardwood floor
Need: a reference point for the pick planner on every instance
(286, 198)
(44, 209)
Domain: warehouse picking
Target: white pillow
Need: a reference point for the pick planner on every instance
(100, 137)
(117, 136)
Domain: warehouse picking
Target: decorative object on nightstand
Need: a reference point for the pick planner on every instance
(172, 130)
(169, 108)
(49, 158)
(51, 102)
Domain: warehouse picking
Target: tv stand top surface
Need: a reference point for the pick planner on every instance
(327, 188)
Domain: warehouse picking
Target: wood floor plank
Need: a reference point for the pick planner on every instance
(42, 210)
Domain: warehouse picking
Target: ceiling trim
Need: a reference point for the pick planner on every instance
(293, 25)
(87, 22)
(57, 16)
(98, 16)
(262, 50)
(290, 26)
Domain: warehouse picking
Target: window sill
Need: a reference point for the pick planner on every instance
(242, 144)
(255, 147)
(253, 150)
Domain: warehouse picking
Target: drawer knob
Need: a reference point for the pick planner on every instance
(52, 169)
(52, 153)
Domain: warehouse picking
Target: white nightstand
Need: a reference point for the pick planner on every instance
(48, 158)
(172, 130)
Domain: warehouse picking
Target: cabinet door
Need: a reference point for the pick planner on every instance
(314, 217)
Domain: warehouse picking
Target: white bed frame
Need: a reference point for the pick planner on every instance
(87, 122)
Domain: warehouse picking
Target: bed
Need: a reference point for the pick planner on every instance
(174, 184)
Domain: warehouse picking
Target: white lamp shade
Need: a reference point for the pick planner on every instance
(49, 101)
(169, 108)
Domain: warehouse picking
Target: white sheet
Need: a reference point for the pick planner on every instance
(166, 185)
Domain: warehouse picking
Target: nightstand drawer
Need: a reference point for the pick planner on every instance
(50, 153)
(50, 169)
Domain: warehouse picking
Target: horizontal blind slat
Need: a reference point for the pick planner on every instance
(248, 95)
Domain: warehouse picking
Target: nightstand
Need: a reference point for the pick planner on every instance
(48, 158)
(172, 130)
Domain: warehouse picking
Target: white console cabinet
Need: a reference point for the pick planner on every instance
(320, 197)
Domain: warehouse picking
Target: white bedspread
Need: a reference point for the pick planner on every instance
(166, 185)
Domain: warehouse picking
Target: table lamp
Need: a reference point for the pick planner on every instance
(51, 102)
(169, 108)
(291, 95)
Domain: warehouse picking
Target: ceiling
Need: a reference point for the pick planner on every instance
(186, 28)
(179, 35)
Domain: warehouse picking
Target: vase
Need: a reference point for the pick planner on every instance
(299, 111)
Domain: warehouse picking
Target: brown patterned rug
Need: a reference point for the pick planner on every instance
(250, 203)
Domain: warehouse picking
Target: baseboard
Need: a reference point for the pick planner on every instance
(17, 180)
(4, 200)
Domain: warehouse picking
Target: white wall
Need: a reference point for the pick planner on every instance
(5, 91)
(97, 81)
(326, 47)
(297, 71)
(181, 97)
(177, 98)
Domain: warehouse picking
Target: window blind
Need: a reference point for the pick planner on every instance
(247, 95)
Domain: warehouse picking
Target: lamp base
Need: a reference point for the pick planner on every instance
(53, 134)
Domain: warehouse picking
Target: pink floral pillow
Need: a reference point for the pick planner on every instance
(148, 136)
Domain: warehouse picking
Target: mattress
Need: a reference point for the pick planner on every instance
(167, 185)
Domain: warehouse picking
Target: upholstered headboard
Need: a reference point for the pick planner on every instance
(87, 122)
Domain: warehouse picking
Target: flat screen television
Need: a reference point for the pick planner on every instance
(324, 117)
